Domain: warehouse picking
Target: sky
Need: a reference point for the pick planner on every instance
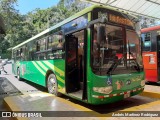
(25, 6)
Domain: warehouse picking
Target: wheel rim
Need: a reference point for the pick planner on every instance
(52, 85)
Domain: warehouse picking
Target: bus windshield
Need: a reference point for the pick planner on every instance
(118, 54)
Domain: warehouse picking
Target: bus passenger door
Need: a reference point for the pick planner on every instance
(72, 83)
(158, 56)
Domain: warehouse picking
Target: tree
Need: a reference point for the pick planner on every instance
(22, 27)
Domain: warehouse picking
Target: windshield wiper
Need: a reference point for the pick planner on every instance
(114, 65)
(137, 67)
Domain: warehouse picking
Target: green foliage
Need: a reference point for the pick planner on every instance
(22, 27)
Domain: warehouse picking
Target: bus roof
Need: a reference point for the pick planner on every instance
(66, 21)
(150, 29)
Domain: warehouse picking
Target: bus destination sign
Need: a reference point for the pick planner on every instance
(120, 20)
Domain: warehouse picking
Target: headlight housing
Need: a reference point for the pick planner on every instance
(105, 90)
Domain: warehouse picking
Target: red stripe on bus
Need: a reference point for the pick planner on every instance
(150, 29)
(101, 97)
(111, 95)
(118, 94)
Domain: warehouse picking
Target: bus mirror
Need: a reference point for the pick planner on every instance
(101, 34)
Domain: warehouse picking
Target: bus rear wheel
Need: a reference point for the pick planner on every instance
(52, 85)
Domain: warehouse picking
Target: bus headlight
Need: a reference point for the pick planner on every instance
(105, 90)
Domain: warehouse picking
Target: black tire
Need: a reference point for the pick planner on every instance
(52, 85)
(18, 74)
(147, 82)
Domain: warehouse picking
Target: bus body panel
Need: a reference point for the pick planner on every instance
(150, 66)
(116, 87)
(35, 71)
(151, 53)
(111, 99)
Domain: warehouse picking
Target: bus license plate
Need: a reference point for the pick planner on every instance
(127, 95)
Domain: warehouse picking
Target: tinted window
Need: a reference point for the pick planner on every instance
(146, 38)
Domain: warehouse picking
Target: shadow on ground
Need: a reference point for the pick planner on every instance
(103, 109)
(153, 83)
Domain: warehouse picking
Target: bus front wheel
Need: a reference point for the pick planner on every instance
(52, 85)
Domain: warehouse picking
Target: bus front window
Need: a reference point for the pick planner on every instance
(133, 48)
(117, 55)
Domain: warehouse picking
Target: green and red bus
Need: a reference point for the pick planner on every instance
(151, 53)
(93, 56)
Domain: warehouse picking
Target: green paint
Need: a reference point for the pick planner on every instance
(36, 71)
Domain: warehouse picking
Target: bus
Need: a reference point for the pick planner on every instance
(151, 53)
(93, 56)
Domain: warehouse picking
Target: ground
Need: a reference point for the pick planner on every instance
(26, 96)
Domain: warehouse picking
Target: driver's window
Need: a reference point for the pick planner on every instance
(111, 49)
(133, 49)
(115, 46)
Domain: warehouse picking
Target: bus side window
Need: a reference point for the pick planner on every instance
(42, 56)
(146, 37)
(49, 43)
(55, 42)
(14, 55)
(38, 46)
(18, 54)
(21, 54)
(31, 55)
(42, 44)
(24, 52)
